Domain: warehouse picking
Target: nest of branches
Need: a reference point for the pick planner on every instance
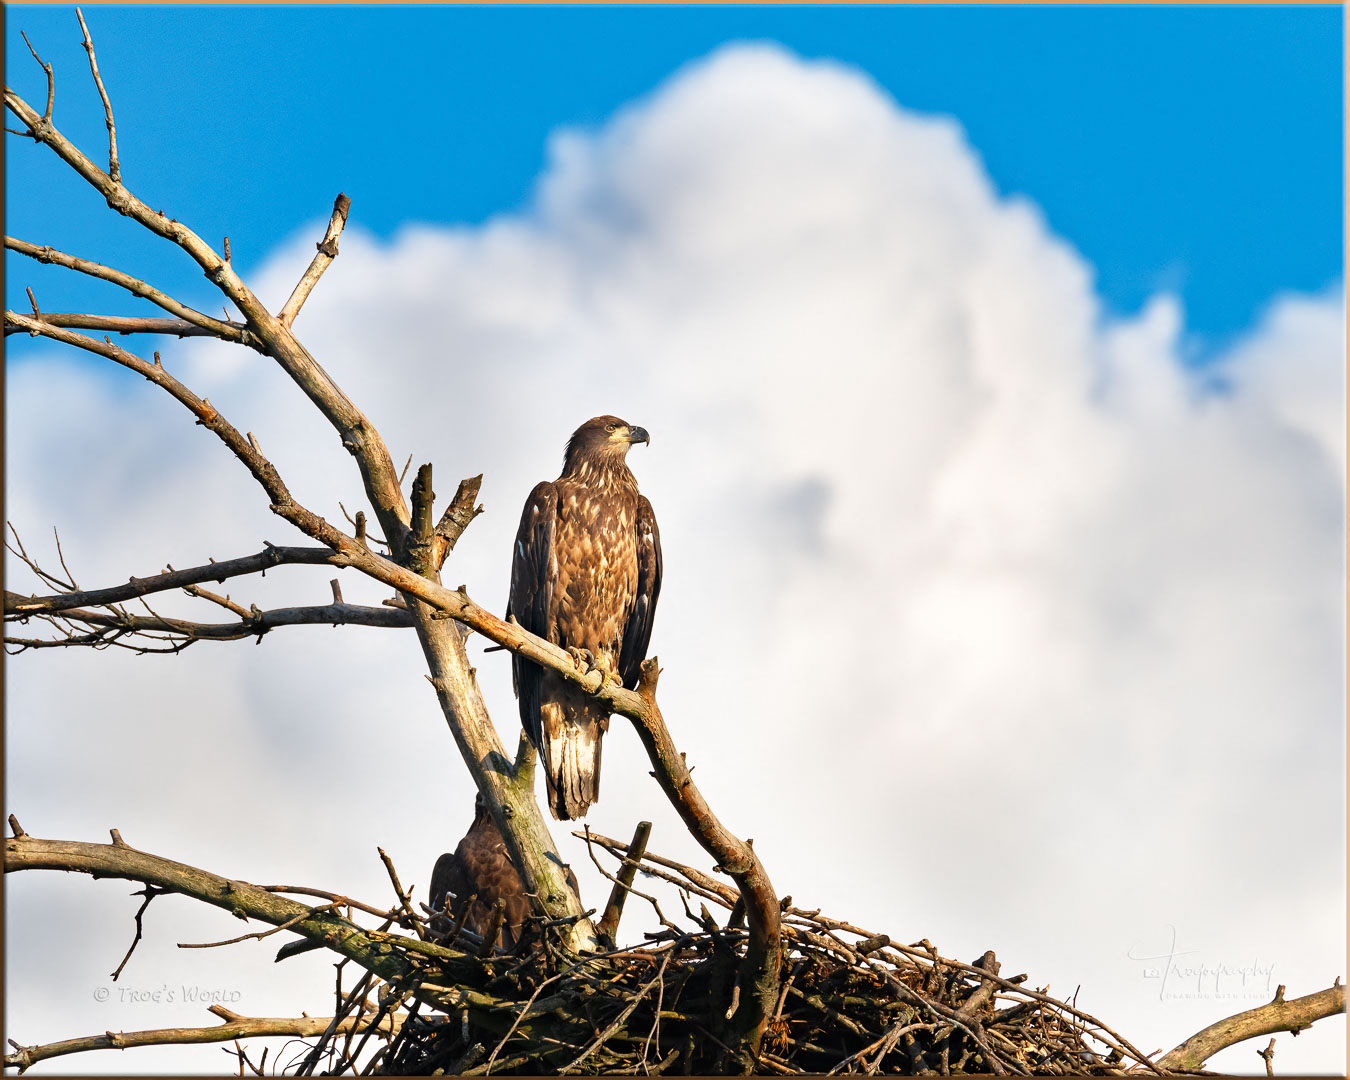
(850, 1002)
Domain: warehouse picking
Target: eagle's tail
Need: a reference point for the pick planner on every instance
(571, 759)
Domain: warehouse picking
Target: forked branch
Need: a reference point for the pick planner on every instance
(225, 330)
(1274, 1016)
(169, 579)
(233, 1027)
(357, 433)
(255, 623)
(758, 979)
(430, 604)
(120, 860)
(114, 166)
(130, 324)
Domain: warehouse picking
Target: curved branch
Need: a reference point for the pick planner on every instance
(114, 166)
(227, 331)
(758, 978)
(245, 450)
(358, 434)
(514, 809)
(521, 823)
(234, 1027)
(1277, 1015)
(255, 625)
(263, 561)
(120, 199)
(457, 689)
(51, 79)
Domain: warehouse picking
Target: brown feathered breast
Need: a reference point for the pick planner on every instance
(476, 875)
(586, 575)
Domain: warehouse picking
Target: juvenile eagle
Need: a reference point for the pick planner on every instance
(585, 575)
(477, 874)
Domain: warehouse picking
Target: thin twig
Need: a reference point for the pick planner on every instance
(149, 892)
(225, 330)
(51, 80)
(403, 897)
(114, 166)
(327, 252)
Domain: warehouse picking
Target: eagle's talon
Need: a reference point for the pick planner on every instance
(584, 659)
(609, 676)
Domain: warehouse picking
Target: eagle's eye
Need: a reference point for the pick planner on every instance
(610, 427)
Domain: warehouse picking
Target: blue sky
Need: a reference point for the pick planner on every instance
(1196, 150)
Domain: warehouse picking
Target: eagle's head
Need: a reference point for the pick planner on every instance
(603, 439)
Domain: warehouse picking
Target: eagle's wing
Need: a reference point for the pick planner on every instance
(449, 879)
(477, 875)
(637, 633)
(532, 576)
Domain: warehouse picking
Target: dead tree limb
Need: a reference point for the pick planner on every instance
(456, 686)
(513, 809)
(461, 511)
(125, 324)
(225, 330)
(255, 624)
(328, 251)
(609, 922)
(521, 822)
(414, 570)
(114, 166)
(1274, 1016)
(168, 579)
(233, 1027)
(243, 900)
(758, 977)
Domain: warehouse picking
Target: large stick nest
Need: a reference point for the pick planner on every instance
(850, 1002)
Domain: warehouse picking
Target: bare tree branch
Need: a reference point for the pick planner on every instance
(461, 511)
(356, 431)
(255, 625)
(114, 167)
(51, 79)
(1268, 1056)
(618, 895)
(261, 562)
(454, 680)
(126, 204)
(514, 809)
(1277, 1015)
(336, 898)
(369, 949)
(759, 974)
(234, 1027)
(127, 324)
(207, 415)
(521, 824)
(226, 331)
(17, 549)
(328, 251)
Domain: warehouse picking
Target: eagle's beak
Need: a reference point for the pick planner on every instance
(639, 434)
